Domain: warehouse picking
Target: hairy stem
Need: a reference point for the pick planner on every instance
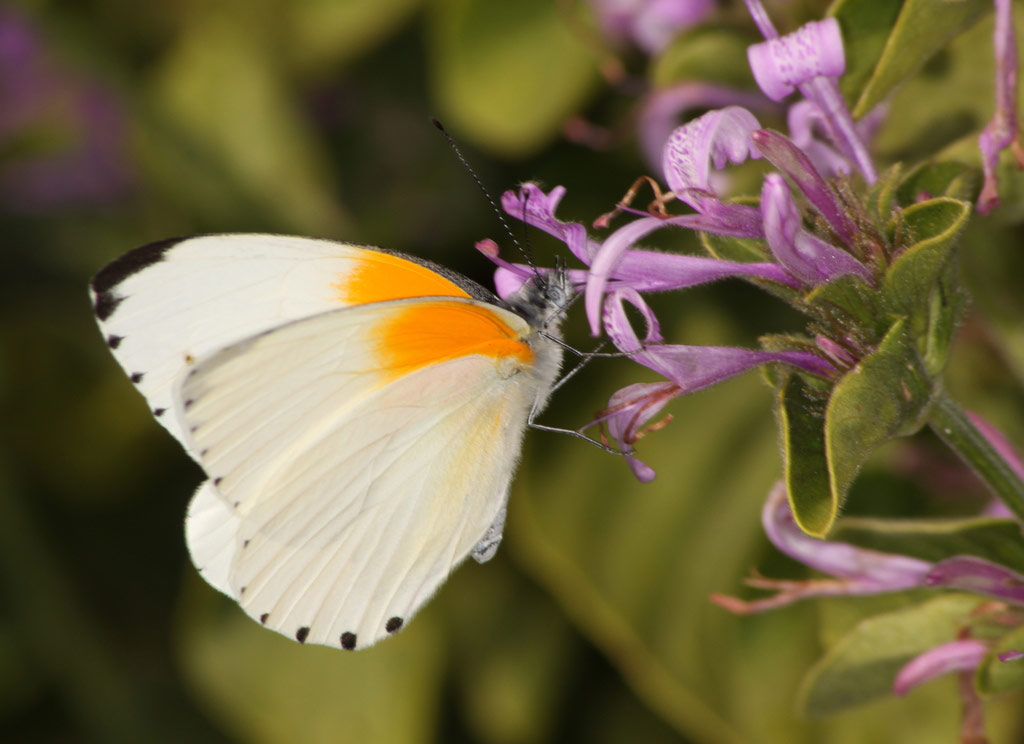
(949, 420)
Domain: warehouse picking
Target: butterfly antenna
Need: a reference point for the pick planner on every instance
(486, 193)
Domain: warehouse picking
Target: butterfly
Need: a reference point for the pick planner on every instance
(358, 414)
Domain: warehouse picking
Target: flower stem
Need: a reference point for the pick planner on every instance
(951, 423)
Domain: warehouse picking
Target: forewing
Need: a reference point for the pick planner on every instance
(345, 491)
(165, 305)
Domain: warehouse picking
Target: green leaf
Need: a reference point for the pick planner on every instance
(883, 51)
(728, 248)
(933, 228)
(864, 663)
(866, 26)
(882, 193)
(885, 395)
(330, 33)
(707, 55)
(996, 540)
(853, 299)
(801, 418)
(939, 178)
(218, 93)
(507, 75)
(995, 676)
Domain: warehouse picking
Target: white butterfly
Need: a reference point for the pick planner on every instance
(358, 414)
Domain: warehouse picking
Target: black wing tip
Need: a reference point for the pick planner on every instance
(130, 263)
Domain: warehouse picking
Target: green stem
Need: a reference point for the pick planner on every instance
(951, 423)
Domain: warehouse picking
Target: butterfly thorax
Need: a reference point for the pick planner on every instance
(541, 301)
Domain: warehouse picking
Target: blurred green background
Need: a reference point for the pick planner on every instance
(122, 123)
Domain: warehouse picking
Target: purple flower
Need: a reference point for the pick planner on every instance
(83, 162)
(810, 59)
(808, 129)
(955, 656)
(661, 111)
(716, 138)
(863, 571)
(1001, 132)
(781, 64)
(976, 575)
(649, 24)
(687, 369)
(616, 270)
(807, 257)
(614, 263)
(798, 165)
(692, 368)
(627, 414)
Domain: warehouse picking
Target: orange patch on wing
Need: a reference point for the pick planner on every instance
(427, 333)
(378, 276)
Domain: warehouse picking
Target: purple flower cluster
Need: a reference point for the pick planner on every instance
(860, 571)
(812, 236)
(618, 272)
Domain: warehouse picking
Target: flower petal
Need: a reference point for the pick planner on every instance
(791, 160)
(717, 137)
(1001, 131)
(629, 410)
(663, 108)
(971, 574)
(955, 656)
(607, 260)
(858, 570)
(694, 368)
(876, 571)
(807, 257)
(650, 24)
(537, 209)
(650, 271)
(780, 65)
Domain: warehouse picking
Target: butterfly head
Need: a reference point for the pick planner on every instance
(542, 298)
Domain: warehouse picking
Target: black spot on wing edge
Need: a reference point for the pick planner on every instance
(130, 263)
(348, 641)
(106, 304)
(136, 377)
(392, 625)
(114, 341)
(301, 634)
(159, 411)
(263, 618)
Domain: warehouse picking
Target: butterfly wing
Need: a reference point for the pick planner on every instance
(355, 458)
(165, 305)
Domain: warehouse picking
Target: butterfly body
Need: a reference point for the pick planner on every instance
(358, 413)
